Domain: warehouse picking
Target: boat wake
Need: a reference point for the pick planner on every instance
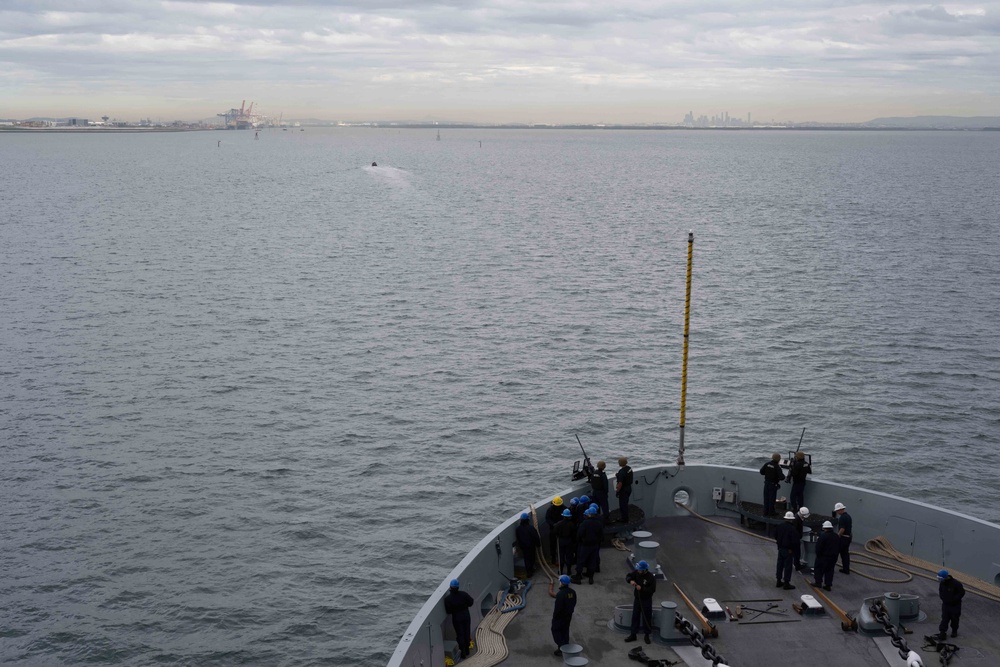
(389, 175)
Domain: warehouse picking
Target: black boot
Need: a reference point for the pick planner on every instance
(646, 639)
(631, 638)
(779, 584)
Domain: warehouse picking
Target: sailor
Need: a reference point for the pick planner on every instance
(844, 527)
(580, 508)
(528, 541)
(786, 537)
(772, 477)
(827, 548)
(797, 475)
(457, 603)
(573, 505)
(623, 488)
(588, 544)
(951, 591)
(566, 535)
(800, 529)
(552, 516)
(643, 586)
(602, 519)
(562, 613)
(599, 485)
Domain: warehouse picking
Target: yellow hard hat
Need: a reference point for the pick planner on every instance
(557, 501)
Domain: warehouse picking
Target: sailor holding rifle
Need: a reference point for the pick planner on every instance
(643, 586)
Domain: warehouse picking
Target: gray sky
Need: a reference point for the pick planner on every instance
(615, 61)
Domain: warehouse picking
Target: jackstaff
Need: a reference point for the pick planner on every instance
(684, 366)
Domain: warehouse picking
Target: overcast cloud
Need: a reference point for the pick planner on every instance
(500, 61)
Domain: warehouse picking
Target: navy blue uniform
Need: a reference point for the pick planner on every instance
(800, 525)
(827, 548)
(599, 486)
(642, 602)
(566, 534)
(798, 473)
(844, 527)
(588, 545)
(457, 603)
(951, 591)
(787, 538)
(562, 614)
(528, 541)
(772, 477)
(623, 485)
(553, 515)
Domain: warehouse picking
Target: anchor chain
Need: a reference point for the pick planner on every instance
(881, 615)
(692, 633)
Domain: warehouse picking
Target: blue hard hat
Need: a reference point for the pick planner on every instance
(943, 574)
(642, 565)
(574, 501)
(524, 515)
(590, 511)
(454, 583)
(594, 506)
(564, 580)
(584, 499)
(567, 513)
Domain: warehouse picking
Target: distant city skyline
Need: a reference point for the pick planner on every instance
(513, 61)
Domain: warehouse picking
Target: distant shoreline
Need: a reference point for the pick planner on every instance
(102, 130)
(471, 126)
(759, 128)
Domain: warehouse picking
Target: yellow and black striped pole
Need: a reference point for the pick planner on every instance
(684, 365)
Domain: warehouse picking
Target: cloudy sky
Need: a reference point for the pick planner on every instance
(587, 61)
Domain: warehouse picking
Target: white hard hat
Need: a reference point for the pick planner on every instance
(827, 524)
(803, 512)
(789, 516)
(838, 507)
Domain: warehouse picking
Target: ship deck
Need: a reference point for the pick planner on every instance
(708, 560)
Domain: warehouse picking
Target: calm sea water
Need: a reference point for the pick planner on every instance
(259, 398)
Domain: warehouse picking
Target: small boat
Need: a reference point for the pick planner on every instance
(716, 601)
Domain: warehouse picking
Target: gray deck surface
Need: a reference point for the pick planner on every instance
(712, 561)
